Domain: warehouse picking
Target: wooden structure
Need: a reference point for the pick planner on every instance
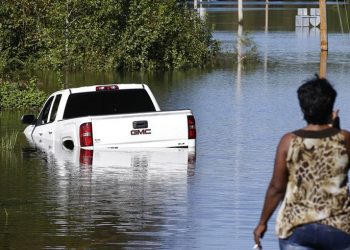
(323, 26)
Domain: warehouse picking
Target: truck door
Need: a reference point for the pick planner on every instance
(43, 132)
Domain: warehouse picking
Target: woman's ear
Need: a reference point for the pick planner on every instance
(335, 114)
(335, 120)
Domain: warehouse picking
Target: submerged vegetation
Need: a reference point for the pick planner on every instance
(246, 50)
(8, 141)
(21, 95)
(244, 53)
(102, 34)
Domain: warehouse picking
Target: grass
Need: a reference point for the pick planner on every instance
(7, 215)
(8, 142)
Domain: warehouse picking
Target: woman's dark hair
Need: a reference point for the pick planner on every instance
(316, 98)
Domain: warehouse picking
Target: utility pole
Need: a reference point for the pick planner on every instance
(266, 16)
(239, 44)
(240, 12)
(323, 64)
(323, 26)
(240, 30)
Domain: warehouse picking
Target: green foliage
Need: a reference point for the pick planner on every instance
(162, 34)
(21, 96)
(102, 34)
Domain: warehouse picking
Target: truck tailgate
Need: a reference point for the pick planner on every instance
(151, 129)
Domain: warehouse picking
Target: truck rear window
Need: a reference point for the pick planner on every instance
(108, 103)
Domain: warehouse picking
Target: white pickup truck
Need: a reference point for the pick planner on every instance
(110, 117)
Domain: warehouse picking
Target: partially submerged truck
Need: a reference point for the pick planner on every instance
(110, 117)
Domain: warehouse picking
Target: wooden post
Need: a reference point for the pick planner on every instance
(195, 4)
(323, 26)
(323, 63)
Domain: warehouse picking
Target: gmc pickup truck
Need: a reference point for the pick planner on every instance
(110, 117)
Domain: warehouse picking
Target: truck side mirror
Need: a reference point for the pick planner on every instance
(28, 119)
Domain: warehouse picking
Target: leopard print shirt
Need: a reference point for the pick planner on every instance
(317, 189)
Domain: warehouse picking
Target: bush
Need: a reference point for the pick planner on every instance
(102, 34)
(21, 96)
(163, 34)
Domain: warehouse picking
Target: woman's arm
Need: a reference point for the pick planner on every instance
(277, 187)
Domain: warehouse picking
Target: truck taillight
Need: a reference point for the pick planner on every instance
(86, 157)
(107, 87)
(191, 123)
(85, 133)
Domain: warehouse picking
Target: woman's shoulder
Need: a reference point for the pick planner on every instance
(345, 133)
(288, 136)
(286, 139)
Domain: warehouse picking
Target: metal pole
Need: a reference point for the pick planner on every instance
(239, 58)
(240, 31)
(240, 12)
(267, 16)
(323, 26)
(239, 43)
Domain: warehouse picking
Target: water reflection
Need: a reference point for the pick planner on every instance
(110, 157)
(239, 54)
(112, 197)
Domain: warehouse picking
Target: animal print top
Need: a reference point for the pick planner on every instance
(317, 190)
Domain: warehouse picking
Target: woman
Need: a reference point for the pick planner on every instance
(310, 176)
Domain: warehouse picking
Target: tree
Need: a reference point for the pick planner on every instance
(164, 34)
(102, 34)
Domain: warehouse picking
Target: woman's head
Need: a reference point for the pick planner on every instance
(316, 99)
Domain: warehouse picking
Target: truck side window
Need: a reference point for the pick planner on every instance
(55, 105)
(45, 112)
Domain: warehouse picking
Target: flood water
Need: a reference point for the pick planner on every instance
(169, 199)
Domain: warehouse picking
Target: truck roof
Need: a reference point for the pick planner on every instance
(107, 86)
